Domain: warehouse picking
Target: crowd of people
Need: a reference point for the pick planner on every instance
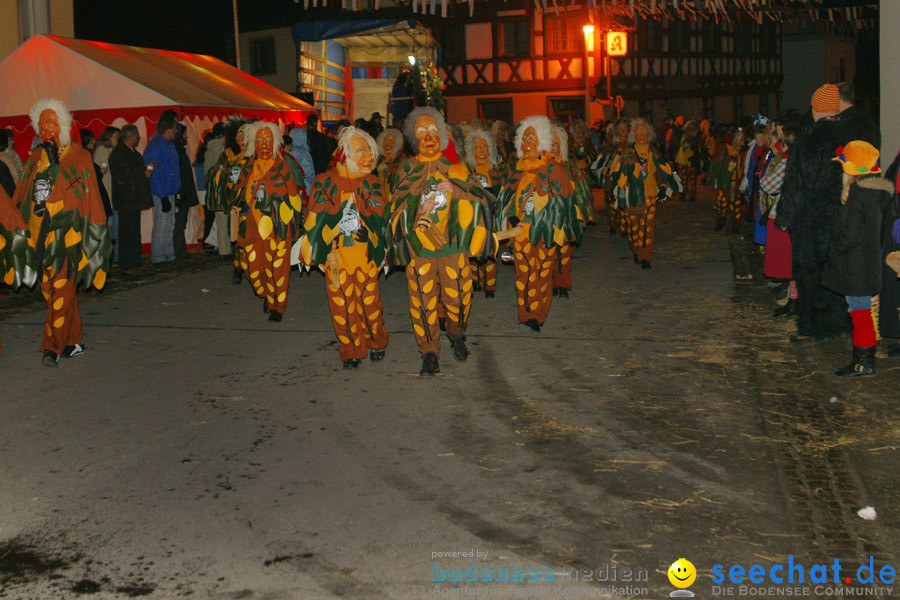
(446, 202)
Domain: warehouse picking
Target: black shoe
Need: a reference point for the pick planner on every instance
(274, 315)
(430, 364)
(612, 231)
(787, 310)
(563, 293)
(476, 287)
(70, 351)
(533, 325)
(351, 363)
(265, 306)
(460, 352)
(237, 276)
(720, 226)
(893, 350)
(488, 293)
(442, 323)
(863, 364)
(556, 291)
(634, 256)
(645, 264)
(50, 358)
(376, 355)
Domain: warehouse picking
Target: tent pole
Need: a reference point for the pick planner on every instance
(237, 43)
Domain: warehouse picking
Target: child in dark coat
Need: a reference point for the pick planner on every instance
(854, 255)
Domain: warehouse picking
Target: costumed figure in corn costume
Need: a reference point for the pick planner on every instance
(270, 202)
(221, 193)
(18, 265)
(390, 147)
(562, 268)
(481, 156)
(345, 236)
(440, 218)
(725, 174)
(59, 197)
(643, 179)
(538, 197)
(690, 158)
(617, 143)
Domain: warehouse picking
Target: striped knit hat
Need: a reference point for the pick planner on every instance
(826, 99)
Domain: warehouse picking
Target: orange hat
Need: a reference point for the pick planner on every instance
(826, 99)
(858, 158)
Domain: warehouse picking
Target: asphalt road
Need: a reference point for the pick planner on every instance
(198, 450)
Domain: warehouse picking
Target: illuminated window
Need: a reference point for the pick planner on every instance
(514, 38)
(566, 108)
(563, 34)
(262, 56)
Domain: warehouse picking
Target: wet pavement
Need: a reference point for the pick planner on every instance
(198, 450)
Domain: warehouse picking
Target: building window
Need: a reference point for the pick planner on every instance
(496, 109)
(565, 108)
(451, 39)
(562, 34)
(514, 38)
(262, 56)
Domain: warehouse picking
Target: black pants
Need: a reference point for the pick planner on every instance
(178, 242)
(129, 239)
(209, 217)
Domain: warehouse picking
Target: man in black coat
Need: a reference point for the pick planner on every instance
(858, 124)
(321, 147)
(889, 309)
(130, 195)
(187, 197)
(808, 209)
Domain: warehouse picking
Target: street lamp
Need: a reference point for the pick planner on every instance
(588, 46)
(412, 60)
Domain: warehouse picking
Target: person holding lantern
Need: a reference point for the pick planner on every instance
(345, 236)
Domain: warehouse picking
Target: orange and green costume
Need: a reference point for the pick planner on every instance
(725, 174)
(583, 200)
(437, 257)
(18, 265)
(71, 240)
(540, 194)
(272, 203)
(484, 271)
(343, 205)
(642, 179)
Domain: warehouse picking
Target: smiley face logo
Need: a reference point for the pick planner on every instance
(682, 573)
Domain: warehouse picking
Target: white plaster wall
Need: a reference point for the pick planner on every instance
(890, 81)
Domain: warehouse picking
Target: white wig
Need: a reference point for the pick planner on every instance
(496, 125)
(62, 113)
(251, 130)
(347, 134)
(398, 142)
(635, 123)
(409, 127)
(470, 147)
(560, 133)
(541, 125)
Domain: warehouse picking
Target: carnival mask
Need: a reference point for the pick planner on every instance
(481, 152)
(48, 126)
(530, 143)
(362, 155)
(427, 137)
(265, 144)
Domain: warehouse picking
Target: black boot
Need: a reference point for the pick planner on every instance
(488, 293)
(460, 352)
(430, 364)
(563, 293)
(376, 355)
(556, 291)
(645, 264)
(863, 364)
(612, 231)
(476, 287)
(274, 315)
(787, 310)
(237, 276)
(442, 324)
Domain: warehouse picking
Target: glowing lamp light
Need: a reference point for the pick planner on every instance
(412, 60)
(588, 29)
